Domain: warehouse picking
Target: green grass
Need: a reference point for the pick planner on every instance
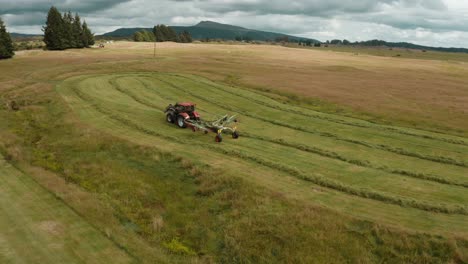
(428, 174)
(183, 211)
(301, 185)
(36, 227)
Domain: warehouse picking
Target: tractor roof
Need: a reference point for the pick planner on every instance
(186, 104)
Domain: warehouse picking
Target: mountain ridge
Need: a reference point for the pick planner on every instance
(215, 30)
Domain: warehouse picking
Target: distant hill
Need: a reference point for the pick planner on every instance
(213, 30)
(377, 43)
(21, 35)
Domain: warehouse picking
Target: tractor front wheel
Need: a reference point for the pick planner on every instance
(170, 118)
(218, 138)
(181, 122)
(235, 135)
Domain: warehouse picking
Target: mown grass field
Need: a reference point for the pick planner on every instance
(307, 181)
(36, 227)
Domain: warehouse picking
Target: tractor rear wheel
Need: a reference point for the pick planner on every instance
(218, 138)
(170, 118)
(181, 122)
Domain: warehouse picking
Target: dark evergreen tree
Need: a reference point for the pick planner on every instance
(144, 35)
(164, 33)
(161, 33)
(6, 45)
(54, 31)
(158, 33)
(88, 37)
(171, 35)
(187, 36)
(336, 42)
(77, 32)
(68, 30)
(138, 36)
(182, 38)
(148, 36)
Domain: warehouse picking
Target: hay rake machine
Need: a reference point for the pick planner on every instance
(184, 115)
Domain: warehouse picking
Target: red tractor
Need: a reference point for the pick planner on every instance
(180, 112)
(184, 114)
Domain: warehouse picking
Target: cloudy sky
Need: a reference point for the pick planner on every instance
(427, 22)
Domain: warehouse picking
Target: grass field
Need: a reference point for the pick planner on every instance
(315, 176)
(37, 227)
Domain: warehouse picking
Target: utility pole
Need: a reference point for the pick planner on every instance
(154, 49)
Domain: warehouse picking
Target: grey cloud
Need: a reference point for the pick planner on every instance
(26, 6)
(354, 19)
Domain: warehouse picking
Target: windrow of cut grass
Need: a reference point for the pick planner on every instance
(165, 200)
(426, 173)
(292, 171)
(380, 158)
(270, 103)
(139, 97)
(177, 208)
(420, 136)
(410, 170)
(278, 122)
(358, 162)
(449, 171)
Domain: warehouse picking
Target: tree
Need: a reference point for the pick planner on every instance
(158, 33)
(138, 37)
(68, 30)
(64, 32)
(88, 37)
(171, 35)
(54, 31)
(182, 38)
(6, 45)
(186, 36)
(282, 39)
(77, 32)
(164, 33)
(346, 42)
(144, 35)
(161, 32)
(336, 42)
(148, 36)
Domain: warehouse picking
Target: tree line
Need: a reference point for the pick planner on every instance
(6, 45)
(66, 31)
(162, 33)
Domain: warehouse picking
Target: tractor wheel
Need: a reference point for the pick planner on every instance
(235, 135)
(218, 138)
(170, 118)
(181, 122)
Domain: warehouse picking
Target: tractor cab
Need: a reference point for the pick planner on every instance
(185, 107)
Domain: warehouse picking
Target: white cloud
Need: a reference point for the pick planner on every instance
(428, 22)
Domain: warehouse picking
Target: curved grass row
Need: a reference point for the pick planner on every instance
(400, 151)
(315, 150)
(316, 179)
(327, 117)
